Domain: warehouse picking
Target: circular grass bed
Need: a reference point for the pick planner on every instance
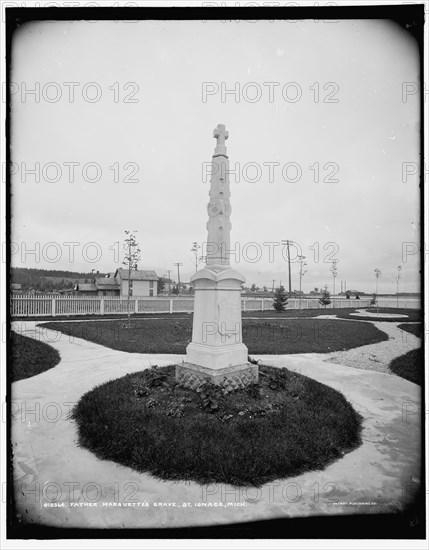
(283, 426)
(409, 366)
(415, 329)
(30, 357)
(261, 336)
(391, 315)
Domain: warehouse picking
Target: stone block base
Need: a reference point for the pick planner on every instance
(231, 378)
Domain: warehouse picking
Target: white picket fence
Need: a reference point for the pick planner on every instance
(45, 305)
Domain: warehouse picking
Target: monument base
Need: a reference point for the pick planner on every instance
(230, 378)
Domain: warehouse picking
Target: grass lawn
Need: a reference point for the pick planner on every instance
(285, 425)
(31, 357)
(280, 336)
(115, 316)
(294, 313)
(343, 313)
(413, 314)
(409, 366)
(416, 329)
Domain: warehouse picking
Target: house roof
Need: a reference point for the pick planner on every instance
(137, 274)
(107, 283)
(87, 287)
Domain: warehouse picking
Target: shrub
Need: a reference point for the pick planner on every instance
(211, 395)
(280, 299)
(325, 300)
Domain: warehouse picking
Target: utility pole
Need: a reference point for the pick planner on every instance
(301, 274)
(287, 243)
(177, 264)
(273, 284)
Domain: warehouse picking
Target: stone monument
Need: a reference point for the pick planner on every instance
(217, 352)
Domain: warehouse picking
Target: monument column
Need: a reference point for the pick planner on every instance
(217, 352)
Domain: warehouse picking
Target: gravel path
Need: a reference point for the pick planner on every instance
(377, 356)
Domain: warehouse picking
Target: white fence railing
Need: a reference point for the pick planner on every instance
(40, 305)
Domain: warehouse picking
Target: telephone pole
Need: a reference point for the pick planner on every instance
(302, 271)
(169, 282)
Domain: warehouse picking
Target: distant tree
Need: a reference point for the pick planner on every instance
(131, 260)
(195, 248)
(265, 289)
(325, 300)
(161, 284)
(280, 299)
(253, 287)
(348, 294)
(49, 285)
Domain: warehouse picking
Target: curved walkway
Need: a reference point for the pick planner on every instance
(377, 357)
(382, 475)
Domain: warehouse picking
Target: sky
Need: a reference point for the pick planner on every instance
(119, 135)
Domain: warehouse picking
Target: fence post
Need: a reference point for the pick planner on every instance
(262, 304)
(244, 304)
(102, 305)
(171, 305)
(136, 305)
(53, 307)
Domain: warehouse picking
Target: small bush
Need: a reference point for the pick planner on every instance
(211, 396)
(325, 300)
(280, 299)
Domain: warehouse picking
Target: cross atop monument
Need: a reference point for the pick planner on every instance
(221, 135)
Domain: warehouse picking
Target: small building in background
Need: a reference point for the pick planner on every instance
(107, 286)
(142, 282)
(86, 289)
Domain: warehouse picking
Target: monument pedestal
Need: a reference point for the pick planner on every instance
(230, 378)
(217, 352)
